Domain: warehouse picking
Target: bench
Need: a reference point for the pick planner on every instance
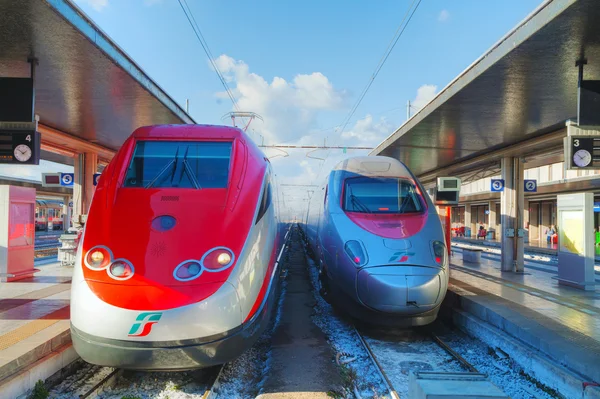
(472, 255)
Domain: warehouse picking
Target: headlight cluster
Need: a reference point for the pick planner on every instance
(101, 258)
(440, 253)
(215, 260)
(355, 251)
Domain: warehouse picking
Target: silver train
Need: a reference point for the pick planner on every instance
(378, 242)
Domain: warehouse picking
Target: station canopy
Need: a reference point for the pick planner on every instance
(85, 85)
(524, 87)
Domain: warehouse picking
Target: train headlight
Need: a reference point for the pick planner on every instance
(217, 259)
(355, 251)
(98, 258)
(121, 269)
(188, 270)
(440, 253)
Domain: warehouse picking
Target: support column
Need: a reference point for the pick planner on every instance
(492, 218)
(525, 224)
(86, 165)
(512, 215)
(467, 219)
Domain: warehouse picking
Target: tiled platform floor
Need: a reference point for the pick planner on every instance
(560, 321)
(34, 317)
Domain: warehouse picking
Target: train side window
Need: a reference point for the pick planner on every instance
(265, 202)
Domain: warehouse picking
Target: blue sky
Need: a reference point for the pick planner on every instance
(302, 65)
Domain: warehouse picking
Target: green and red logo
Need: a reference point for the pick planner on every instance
(144, 321)
(401, 256)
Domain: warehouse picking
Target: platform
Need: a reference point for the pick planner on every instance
(562, 323)
(534, 246)
(34, 324)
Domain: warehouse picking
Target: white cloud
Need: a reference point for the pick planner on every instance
(97, 5)
(289, 108)
(425, 93)
(367, 132)
(444, 16)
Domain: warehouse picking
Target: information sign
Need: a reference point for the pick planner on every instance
(19, 146)
(530, 186)
(66, 179)
(497, 185)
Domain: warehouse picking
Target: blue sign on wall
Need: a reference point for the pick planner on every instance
(67, 179)
(497, 185)
(530, 186)
(96, 178)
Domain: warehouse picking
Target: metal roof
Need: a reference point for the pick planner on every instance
(85, 84)
(523, 87)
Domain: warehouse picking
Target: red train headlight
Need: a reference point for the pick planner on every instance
(98, 258)
(188, 270)
(355, 252)
(121, 269)
(217, 259)
(440, 253)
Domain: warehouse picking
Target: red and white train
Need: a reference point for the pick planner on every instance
(177, 265)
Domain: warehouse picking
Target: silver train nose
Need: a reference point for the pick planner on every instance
(400, 289)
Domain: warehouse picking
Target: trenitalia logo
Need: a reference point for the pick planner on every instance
(145, 321)
(401, 256)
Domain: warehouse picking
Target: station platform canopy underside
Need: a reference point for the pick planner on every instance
(85, 85)
(522, 91)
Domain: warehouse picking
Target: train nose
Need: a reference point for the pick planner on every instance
(406, 289)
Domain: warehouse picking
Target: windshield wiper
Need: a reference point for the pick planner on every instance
(356, 201)
(162, 172)
(188, 170)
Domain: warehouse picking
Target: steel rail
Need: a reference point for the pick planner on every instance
(454, 354)
(384, 377)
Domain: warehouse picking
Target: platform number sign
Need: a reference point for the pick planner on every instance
(530, 186)
(584, 152)
(96, 178)
(497, 185)
(66, 179)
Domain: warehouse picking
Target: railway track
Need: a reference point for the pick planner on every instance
(90, 382)
(392, 392)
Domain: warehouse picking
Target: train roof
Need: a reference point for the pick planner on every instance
(374, 166)
(189, 131)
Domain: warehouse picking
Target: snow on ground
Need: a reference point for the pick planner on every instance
(502, 371)
(344, 340)
(243, 378)
(410, 353)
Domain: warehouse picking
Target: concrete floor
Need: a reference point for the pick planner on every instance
(302, 364)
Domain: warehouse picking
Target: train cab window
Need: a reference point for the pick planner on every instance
(265, 202)
(179, 164)
(381, 195)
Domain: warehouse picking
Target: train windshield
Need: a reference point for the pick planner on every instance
(179, 164)
(381, 195)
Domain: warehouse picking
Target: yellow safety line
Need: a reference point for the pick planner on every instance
(19, 334)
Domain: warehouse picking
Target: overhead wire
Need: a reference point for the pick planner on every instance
(401, 28)
(196, 28)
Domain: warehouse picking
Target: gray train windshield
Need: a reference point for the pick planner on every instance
(381, 195)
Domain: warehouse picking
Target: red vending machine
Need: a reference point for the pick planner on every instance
(17, 232)
(447, 194)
